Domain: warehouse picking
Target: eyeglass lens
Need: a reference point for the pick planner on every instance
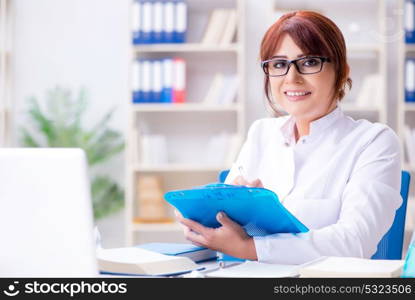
(307, 65)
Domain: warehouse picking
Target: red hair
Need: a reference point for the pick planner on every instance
(314, 34)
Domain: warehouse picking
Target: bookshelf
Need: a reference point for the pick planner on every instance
(405, 114)
(189, 107)
(187, 47)
(5, 103)
(406, 110)
(363, 24)
(188, 128)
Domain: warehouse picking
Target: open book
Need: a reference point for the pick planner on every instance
(137, 261)
(352, 267)
(220, 27)
(195, 253)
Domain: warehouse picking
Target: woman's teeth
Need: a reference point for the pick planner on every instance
(297, 93)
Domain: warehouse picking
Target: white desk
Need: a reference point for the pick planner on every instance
(248, 269)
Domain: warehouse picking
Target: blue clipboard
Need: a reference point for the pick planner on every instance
(258, 210)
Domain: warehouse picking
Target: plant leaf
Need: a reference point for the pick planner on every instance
(60, 125)
(28, 140)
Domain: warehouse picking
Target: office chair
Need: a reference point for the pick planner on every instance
(222, 175)
(390, 246)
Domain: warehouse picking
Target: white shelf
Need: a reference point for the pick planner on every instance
(357, 48)
(409, 48)
(183, 107)
(351, 107)
(178, 168)
(185, 47)
(405, 50)
(409, 106)
(156, 227)
(150, 118)
(408, 167)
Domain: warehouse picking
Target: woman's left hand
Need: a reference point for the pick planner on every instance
(230, 238)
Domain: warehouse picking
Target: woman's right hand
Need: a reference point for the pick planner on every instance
(239, 180)
(186, 229)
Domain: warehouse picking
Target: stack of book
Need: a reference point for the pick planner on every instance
(159, 80)
(223, 90)
(222, 149)
(195, 253)
(152, 149)
(221, 27)
(162, 259)
(151, 207)
(370, 95)
(159, 21)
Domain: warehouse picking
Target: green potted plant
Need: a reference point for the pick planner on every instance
(60, 124)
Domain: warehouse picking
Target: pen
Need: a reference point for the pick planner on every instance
(223, 264)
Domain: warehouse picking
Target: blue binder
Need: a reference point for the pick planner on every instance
(258, 210)
(180, 24)
(409, 25)
(137, 22)
(410, 79)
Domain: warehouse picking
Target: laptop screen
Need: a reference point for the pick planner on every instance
(46, 215)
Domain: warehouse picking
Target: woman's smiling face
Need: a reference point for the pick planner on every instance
(305, 97)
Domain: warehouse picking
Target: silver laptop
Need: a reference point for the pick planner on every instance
(46, 223)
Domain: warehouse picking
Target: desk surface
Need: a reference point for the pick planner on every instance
(210, 266)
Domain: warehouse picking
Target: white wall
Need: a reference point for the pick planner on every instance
(259, 16)
(73, 43)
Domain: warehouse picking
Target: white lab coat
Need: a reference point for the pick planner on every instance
(342, 181)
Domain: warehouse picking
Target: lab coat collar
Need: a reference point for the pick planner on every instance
(317, 126)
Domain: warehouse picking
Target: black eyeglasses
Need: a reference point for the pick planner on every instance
(305, 65)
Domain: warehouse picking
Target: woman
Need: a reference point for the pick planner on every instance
(339, 177)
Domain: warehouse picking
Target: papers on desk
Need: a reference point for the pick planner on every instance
(353, 267)
(254, 269)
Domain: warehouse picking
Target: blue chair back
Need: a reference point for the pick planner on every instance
(390, 246)
(222, 175)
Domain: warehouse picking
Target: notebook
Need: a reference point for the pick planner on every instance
(137, 261)
(352, 267)
(195, 253)
(258, 210)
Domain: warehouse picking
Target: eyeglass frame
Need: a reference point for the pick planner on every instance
(294, 61)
